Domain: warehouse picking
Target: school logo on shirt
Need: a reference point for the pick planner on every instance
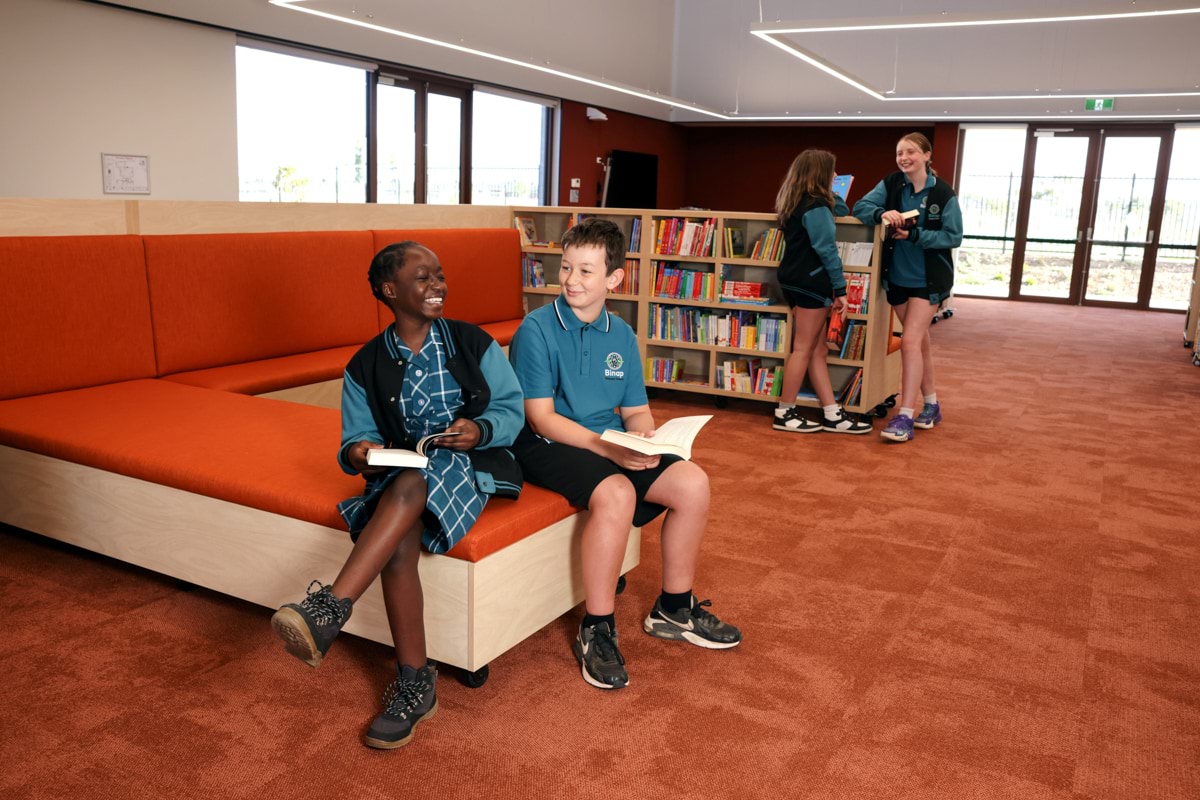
(612, 366)
(935, 211)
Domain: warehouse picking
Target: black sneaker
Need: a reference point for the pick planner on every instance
(600, 660)
(696, 625)
(309, 627)
(845, 424)
(794, 421)
(409, 699)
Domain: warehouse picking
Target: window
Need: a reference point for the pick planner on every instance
(989, 187)
(330, 130)
(1180, 224)
(301, 129)
(396, 143)
(508, 150)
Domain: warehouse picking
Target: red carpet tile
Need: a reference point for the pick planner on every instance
(1005, 608)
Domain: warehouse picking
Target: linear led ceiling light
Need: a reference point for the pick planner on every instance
(295, 5)
(774, 33)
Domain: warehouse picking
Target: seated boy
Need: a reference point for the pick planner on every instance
(576, 364)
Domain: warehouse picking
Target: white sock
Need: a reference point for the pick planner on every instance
(906, 412)
(931, 399)
(832, 412)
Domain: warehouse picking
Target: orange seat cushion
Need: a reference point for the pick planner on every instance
(502, 332)
(482, 266)
(273, 374)
(221, 299)
(74, 312)
(267, 454)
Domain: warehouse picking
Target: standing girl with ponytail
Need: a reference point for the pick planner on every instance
(918, 270)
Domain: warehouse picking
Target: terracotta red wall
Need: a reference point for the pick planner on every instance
(584, 140)
(740, 168)
(733, 168)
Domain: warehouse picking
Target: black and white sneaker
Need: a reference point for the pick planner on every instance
(600, 660)
(845, 424)
(696, 625)
(791, 420)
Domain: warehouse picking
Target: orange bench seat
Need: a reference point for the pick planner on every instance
(271, 455)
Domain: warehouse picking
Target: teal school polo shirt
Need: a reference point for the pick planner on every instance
(590, 370)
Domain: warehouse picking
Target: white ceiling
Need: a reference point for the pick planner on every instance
(703, 52)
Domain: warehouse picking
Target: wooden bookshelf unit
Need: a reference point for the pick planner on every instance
(692, 339)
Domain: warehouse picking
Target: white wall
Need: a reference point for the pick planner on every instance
(82, 79)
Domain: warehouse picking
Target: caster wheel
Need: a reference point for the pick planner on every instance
(477, 678)
(879, 411)
(620, 584)
(934, 321)
(1196, 361)
(948, 313)
(890, 402)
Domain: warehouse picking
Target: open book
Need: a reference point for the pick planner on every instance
(397, 457)
(674, 437)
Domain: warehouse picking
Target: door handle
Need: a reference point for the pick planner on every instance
(1079, 236)
(1150, 237)
(1089, 234)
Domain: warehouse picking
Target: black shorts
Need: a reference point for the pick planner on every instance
(899, 295)
(575, 473)
(803, 300)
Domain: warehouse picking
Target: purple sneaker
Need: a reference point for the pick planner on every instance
(900, 429)
(930, 415)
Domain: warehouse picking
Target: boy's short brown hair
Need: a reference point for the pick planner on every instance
(601, 233)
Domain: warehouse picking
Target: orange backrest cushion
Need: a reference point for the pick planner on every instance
(74, 312)
(483, 270)
(222, 299)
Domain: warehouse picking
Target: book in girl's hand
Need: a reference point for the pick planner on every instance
(398, 457)
(835, 337)
(674, 437)
(908, 221)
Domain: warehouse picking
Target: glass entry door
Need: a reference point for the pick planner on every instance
(1093, 204)
(1121, 240)
(1059, 210)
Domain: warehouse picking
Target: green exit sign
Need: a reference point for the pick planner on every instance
(1098, 104)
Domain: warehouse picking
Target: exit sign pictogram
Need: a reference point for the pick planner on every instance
(1098, 104)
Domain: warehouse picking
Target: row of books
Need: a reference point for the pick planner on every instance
(768, 246)
(854, 343)
(682, 284)
(850, 395)
(747, 330)
(858, 292)
(856, 254)
(533, 274)
(749, 376)
(629, 284)
(679, 236)
(665, 370)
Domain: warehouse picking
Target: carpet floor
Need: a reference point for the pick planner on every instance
(1005, 607)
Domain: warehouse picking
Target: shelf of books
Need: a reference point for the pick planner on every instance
(701, 293)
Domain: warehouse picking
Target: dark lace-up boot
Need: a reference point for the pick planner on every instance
(309, 627)
(409, 699)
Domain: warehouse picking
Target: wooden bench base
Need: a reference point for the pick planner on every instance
(474, 612)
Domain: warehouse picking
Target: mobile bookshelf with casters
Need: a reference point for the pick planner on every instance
(707, 307)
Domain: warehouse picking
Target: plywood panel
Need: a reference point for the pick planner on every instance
(327, 394)
(219, 217)
(36, 217)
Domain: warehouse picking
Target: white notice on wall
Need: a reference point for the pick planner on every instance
(125, 174)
